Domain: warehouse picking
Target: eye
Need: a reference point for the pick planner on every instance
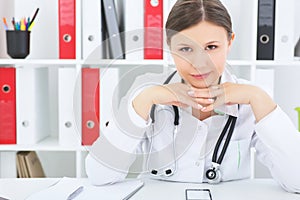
(186, 49)
(210, 47)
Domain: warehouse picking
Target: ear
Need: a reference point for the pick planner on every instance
(230, 41)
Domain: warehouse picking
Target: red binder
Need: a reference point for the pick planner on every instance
(67, 29)
(90, 105)
(7, 105)
(153, 35)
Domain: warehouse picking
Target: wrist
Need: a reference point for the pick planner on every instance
(143, 102)
(261, 103)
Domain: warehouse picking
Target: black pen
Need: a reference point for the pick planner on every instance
(34, 16)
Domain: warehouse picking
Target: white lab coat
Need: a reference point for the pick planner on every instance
(276, 140)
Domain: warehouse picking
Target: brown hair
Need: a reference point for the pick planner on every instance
(187, 13)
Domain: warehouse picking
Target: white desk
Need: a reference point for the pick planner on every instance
(256, 189)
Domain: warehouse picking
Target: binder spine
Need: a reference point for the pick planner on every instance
(92, 34)
(7, 105)
(67, 29)
(134, 29)
(90, 105)
(153, 27)
(66, 120)
(114, 38)
(266, 30)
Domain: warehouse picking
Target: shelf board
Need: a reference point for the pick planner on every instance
(48, 144)
(239, 62)
(103, 62)
(46, 62)
(123, 62)
(277, 63)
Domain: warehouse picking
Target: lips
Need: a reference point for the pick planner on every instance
(200, 76)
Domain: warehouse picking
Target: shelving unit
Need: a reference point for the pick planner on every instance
(60, 160)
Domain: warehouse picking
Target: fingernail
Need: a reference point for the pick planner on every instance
(199, 106)
(203, 109)
(191, 93)
(215, 87)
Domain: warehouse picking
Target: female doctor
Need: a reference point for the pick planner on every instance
(200, 125)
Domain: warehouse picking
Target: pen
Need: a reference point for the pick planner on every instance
(28, 23)
(33, 18)
(23, 26)
(13, 23)
(75, 193)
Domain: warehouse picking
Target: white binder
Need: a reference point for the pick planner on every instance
(284, 30)
(92, 34)
(109, 89)
(68, 132)
(134, 29)
(32, 94)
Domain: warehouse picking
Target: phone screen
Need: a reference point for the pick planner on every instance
(198, 194)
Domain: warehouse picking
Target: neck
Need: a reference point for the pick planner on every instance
(202, 115)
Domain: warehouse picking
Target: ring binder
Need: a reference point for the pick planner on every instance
(265, 30)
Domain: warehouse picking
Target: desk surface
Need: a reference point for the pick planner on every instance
(264, 189)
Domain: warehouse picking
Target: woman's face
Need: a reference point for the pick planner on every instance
(200, 53)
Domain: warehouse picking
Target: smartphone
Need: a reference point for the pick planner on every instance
(198, 194)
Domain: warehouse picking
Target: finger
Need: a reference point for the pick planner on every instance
(220, 100)
(208, 93)
(199, 93)
(204, 101)
(185, 105)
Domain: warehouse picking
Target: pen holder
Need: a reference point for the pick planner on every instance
(18, 43)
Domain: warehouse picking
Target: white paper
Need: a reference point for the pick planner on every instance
(59, 191)
(83, 190)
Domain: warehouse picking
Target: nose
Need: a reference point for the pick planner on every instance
(201, 60)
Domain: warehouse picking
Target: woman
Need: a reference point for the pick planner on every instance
(199, 35)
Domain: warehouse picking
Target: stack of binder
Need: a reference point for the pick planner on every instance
(275, 31)
(29, 165)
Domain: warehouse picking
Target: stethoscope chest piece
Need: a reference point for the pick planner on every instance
(213, 174)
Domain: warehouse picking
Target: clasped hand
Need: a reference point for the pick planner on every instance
(205, 99)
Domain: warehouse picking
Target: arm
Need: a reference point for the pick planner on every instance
(276, 141)
(114, 151)
(170, 94)
(277, 145)
(233, 93)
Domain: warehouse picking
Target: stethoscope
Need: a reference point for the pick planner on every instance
(213, 173)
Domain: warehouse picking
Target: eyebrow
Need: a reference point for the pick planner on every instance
(211, 42)
(185, 44)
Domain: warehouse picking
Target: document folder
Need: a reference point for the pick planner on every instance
(265, 30)
(90, 105)
(7, 105)
(67, 29)
(114, 38)
(153, 24)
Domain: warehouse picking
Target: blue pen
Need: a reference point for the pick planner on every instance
(28, 23)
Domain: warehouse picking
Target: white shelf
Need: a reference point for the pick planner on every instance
(48, 144)
(277, 63)
(45, 62)
(103, 62)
